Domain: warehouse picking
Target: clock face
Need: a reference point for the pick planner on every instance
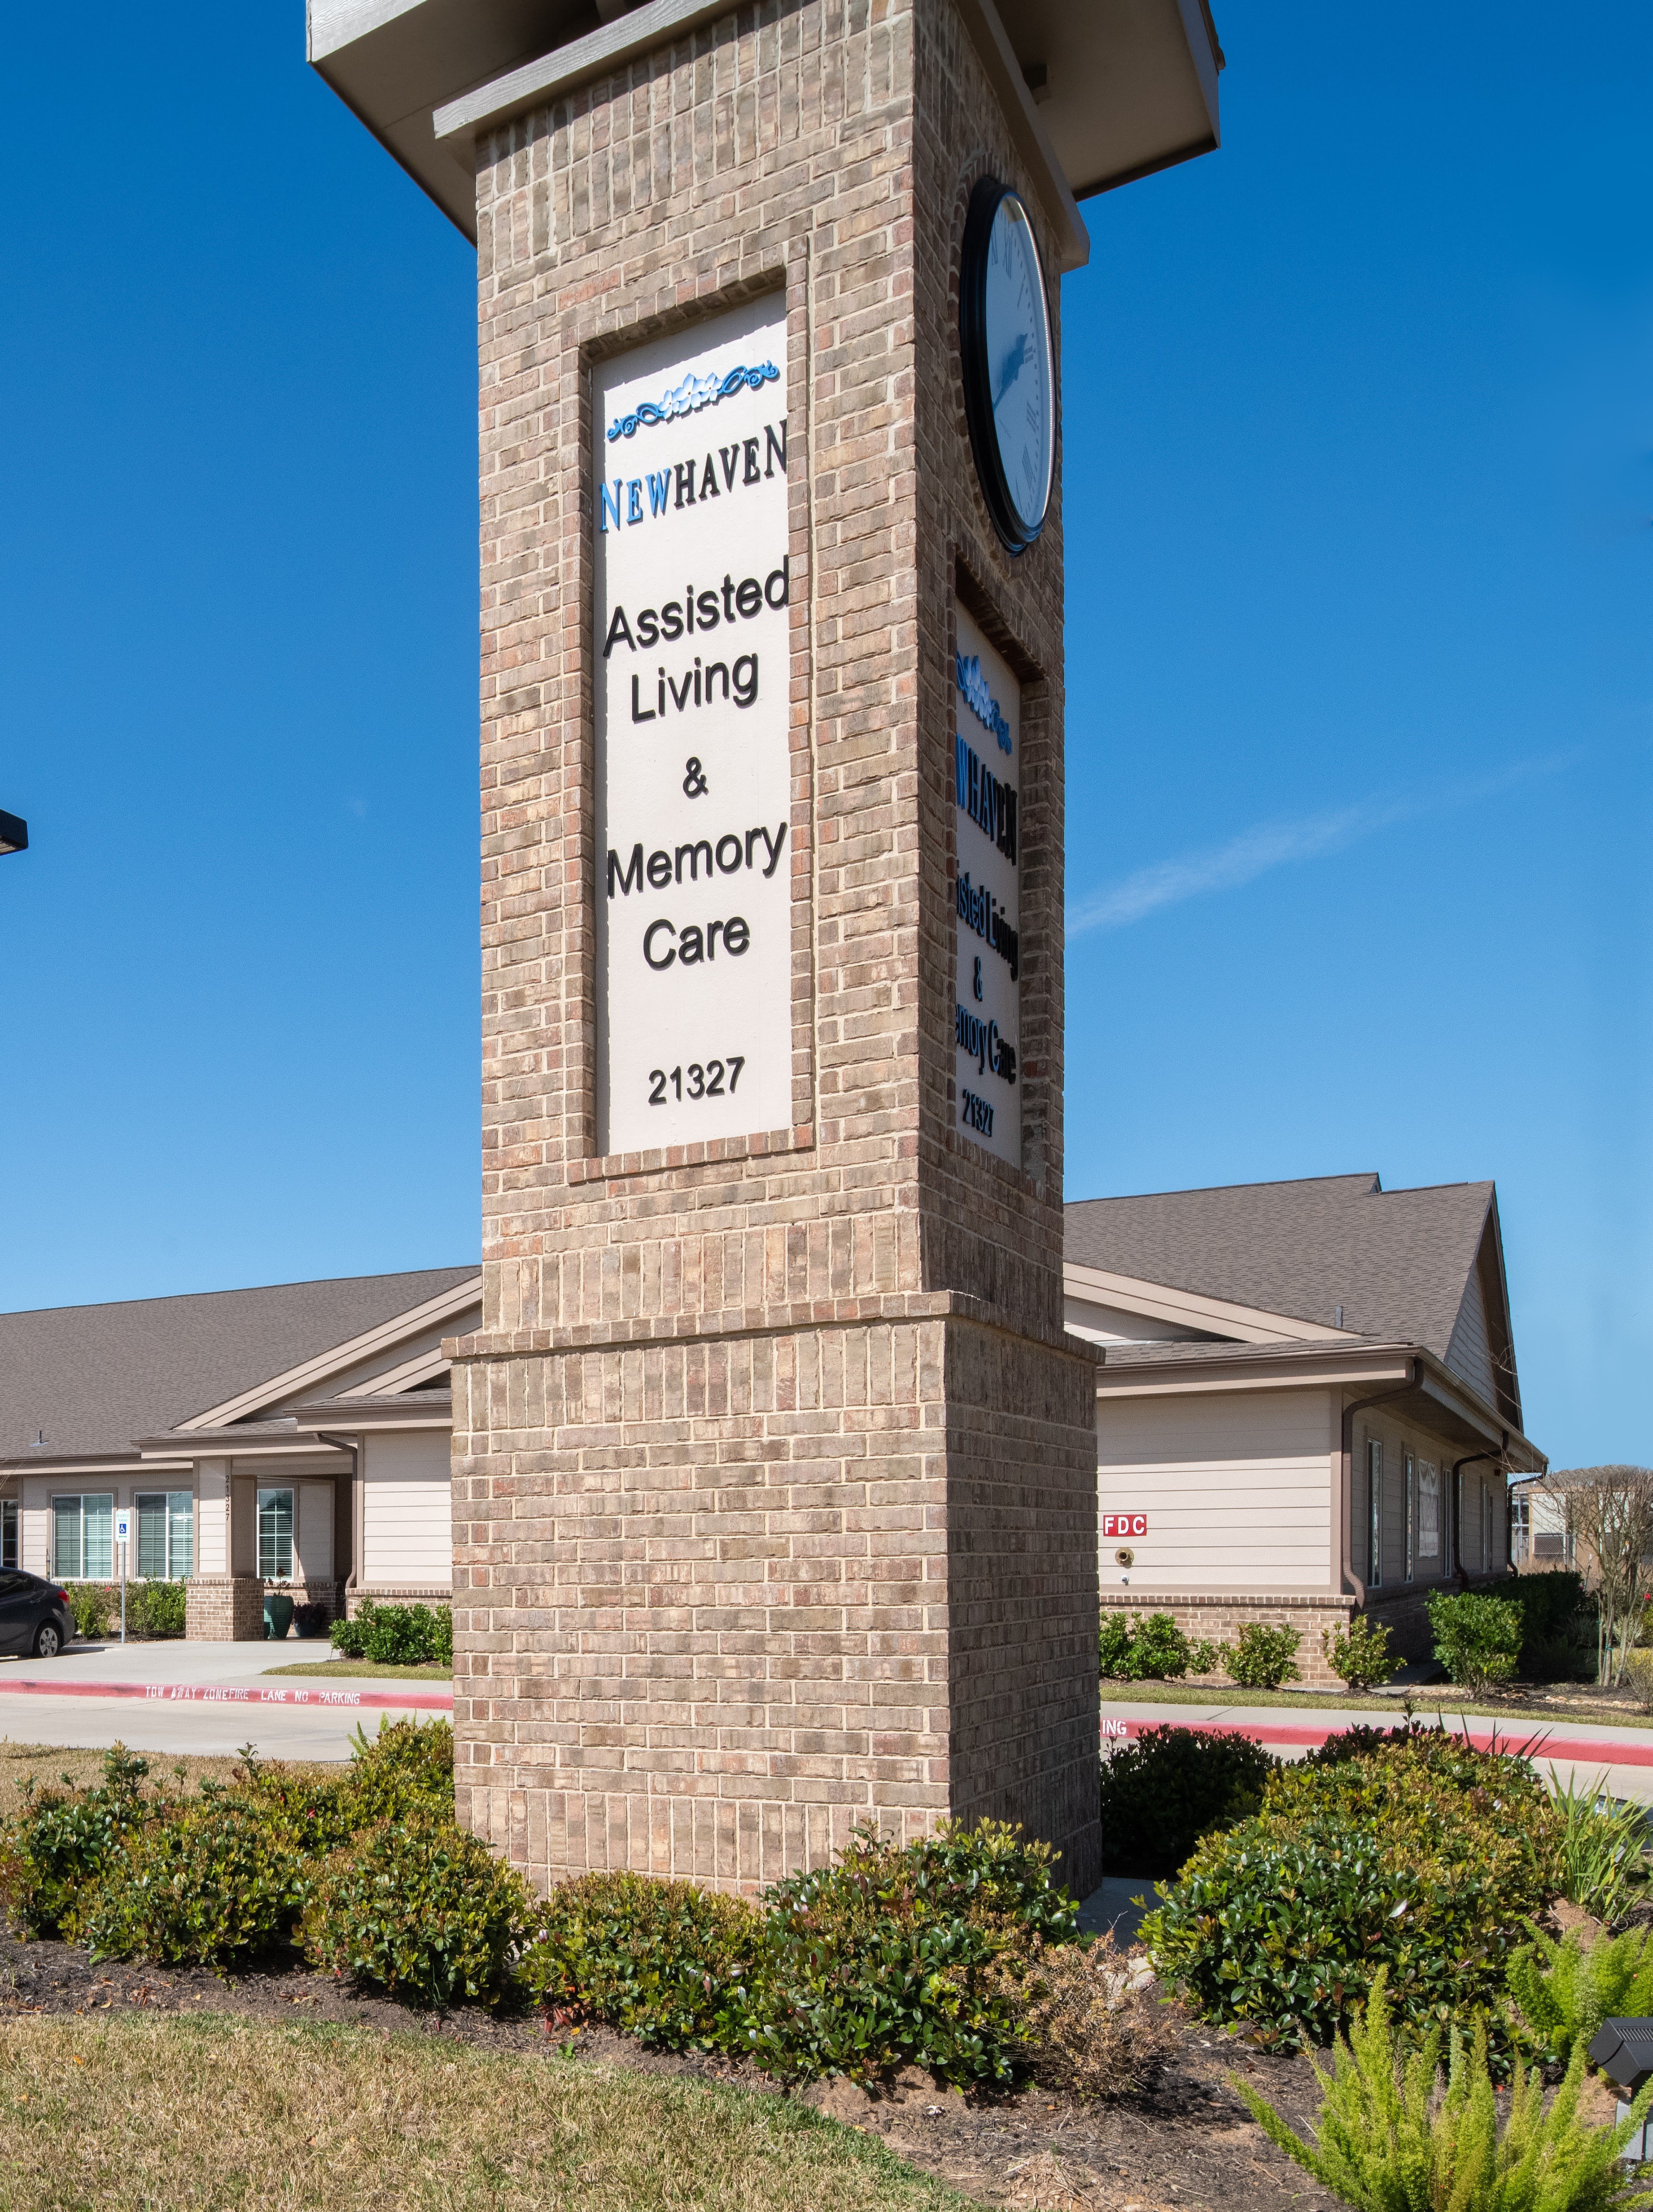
(1009, 378)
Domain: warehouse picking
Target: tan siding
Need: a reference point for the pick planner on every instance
(1237, 1488)
(407, 1511)
(1469, 1354)
(1117, 1325)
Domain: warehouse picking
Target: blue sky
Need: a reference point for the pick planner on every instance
(1359, 422)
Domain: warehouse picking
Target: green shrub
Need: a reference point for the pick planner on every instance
(92, 1603)
(1564, 1991)
(1169, 1787)
(1603, 1849)
(155, 1609)
(60, 1842)
(661, 1960)
(1476, 1639)
(1152, 1651)
(220, 1882)
(894, 1955)
(1385, 2144)
(1263, 1658)
(1423, 1857)
(1552, 1611)
(420, 1909)
(892, 1958)
(1359, 1654)
(397, 1635)
(406, 1769)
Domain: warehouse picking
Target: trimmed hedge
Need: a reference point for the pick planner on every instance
(419, 1908)
(397, 1635)
(1423, 1857)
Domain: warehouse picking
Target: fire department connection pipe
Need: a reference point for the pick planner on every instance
(1360, 1406)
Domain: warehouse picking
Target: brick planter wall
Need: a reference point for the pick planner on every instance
(1222, 1618)
(224, 1609)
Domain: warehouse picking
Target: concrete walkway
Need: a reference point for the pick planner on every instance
(1621, 1757)
(207, 1699)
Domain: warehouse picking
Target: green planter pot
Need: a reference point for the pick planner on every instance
(277, 1614)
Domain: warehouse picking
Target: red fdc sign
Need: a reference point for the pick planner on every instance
(1124, 1524)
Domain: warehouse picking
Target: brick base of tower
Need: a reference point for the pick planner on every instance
(719, 1598)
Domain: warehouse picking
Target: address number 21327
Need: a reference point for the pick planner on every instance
(698, 1080)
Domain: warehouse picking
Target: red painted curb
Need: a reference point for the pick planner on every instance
(1539, 1741)
(204, 1694)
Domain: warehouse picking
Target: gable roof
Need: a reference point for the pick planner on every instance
(93, 1377)
(1406, 1266)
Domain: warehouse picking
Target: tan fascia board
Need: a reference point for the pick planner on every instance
(339, 1418)
(306, 1445)
(338, 1357)
(538, 83)
(1440, 1384)
(1211, 1317)
(408, 1376)
(139, 1465)
(1316, 1369)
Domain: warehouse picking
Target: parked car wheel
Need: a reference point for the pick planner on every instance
(48, 1640)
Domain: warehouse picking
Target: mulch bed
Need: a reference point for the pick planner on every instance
(1190, 2145)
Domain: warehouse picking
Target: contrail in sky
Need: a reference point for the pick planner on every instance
(1242, 859)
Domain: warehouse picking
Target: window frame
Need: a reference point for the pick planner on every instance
(275, 1574)
(173, 1568)
(11, 1535)
(80, 1500)
(1427, 1467)
(1375, 1512)
(1409, 1485)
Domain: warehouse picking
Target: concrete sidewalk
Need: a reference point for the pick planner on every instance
(1621, 1757)
(207, 1699)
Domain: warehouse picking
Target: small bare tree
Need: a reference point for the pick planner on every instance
(1608, 1517)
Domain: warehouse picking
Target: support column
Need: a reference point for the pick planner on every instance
(224, 1600)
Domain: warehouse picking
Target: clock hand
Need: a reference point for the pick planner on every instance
(1015, 360)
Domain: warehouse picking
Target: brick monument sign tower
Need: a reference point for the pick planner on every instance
(774, 1470)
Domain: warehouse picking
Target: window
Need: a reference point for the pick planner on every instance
(8, 1533)
(1411, 1468)
(1373, 1512)
(166, 1535)
(276, 1536)
(83, 1537)
(1453, 1485)
(1486, 1527)
(1428, 1510)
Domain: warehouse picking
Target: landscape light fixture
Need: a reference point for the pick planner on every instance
(14, 833)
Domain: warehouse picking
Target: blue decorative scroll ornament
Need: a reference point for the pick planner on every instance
(691, 395)
(982, 703)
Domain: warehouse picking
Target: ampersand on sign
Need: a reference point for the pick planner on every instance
(694, 779)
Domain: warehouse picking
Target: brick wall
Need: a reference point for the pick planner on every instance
(775, 1480)
(224, 1609)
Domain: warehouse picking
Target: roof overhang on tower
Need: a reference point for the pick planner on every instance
(1110, 91)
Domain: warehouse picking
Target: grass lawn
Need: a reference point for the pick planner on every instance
(22, 1763)
(430, 1674)
(214, 2112)
(1549, 1704)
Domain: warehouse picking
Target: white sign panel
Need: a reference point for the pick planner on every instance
(694, 785)
(987, 757)
(122, 1527)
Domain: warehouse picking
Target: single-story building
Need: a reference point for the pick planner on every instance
(298, 1434)
(1307, 1404)
(1307, 1401)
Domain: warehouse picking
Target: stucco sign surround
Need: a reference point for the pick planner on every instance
(692, 582)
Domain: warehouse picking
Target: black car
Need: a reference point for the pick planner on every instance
(35, 1621)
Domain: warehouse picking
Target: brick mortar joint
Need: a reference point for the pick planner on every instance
(898, 1308)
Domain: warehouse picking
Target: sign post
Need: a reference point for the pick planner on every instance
(123, 1532)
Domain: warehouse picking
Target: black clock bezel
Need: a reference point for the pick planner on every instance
(984, 205)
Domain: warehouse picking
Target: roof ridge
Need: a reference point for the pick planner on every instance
(241, 1290)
